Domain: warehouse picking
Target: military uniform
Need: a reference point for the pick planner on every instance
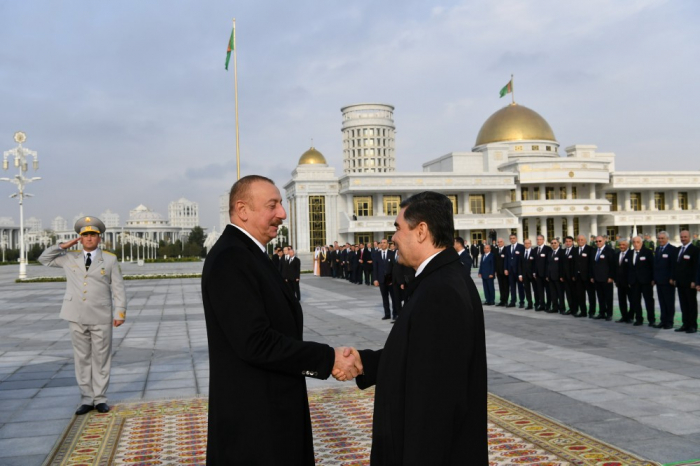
(93, 292)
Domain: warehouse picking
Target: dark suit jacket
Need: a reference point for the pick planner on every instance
(603, 268)
(542, 260)
(441, 327)
(582, 262)
(474, 250)
(527, 267)
(664, 264)
(568, 269)
(466, 260)
(499, 259)
(621, 276)
(258, 406)
(487, 266)
(686, 266)
(366, 258)
(382, 268)
(512, 261)
(291, 269)
(276, 261)
(643, 271)
(555, 265)
(401, 274)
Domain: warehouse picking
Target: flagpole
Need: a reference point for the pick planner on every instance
(235, 86)
(512, 87)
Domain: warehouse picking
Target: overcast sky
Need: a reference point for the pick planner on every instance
(128, 102)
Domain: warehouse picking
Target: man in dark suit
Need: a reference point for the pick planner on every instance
(640, 275)
(501, 277)
(441, 333)
(525, 271)
(602, 276)
(487, 272)
(513, 253)
(569, 281)
(664, 268)
(276, 257)
(342, 260)
(474, 251)
(365, 263)
(464, 256)
(555, 278)
(332, 258)
(622, 284)
(542, 253)
(684, 281)
(583, 253)
(354, 264)
(291, 272)
(383, 261)
(256, 351)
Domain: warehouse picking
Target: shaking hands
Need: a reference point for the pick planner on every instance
(348, 364)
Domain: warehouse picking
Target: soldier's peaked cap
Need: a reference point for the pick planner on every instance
(89, 224)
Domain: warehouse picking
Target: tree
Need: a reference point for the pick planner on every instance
(196, 236)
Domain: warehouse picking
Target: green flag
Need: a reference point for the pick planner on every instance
(507, 89)
(228, 51)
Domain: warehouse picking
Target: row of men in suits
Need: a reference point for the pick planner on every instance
(289, 267)
(582, 277)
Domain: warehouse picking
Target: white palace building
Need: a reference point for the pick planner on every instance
(513, 180)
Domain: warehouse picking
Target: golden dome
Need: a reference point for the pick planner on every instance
(311, 157)
(515, 123)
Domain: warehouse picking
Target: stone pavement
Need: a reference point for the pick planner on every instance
(635, 387)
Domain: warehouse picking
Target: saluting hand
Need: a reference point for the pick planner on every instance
(71, 243)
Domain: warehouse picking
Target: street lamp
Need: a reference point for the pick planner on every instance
(4, 244)
(20, 155)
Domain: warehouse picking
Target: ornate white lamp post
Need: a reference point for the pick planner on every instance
(20, 155)
(4, 244)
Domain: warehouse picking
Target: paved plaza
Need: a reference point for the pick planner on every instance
(634, 387)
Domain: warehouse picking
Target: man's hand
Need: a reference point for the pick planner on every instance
(479, 277)
(505, 272)
(671, 282)
(376, 283)
(71, 243)
(520, 278)
(117, 323)
(610, 280)
(490, 276)
(348, 364)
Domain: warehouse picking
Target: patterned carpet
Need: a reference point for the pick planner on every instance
(174, 433)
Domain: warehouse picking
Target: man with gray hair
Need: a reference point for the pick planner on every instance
(684, 280)
(621, 281)
(664, 267)
(640, 272)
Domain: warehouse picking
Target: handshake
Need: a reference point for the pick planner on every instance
(348, 364)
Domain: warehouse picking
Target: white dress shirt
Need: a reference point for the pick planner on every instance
(260, 245)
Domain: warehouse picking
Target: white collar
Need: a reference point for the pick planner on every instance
(260, 245)
(92, 254)
(425, 263)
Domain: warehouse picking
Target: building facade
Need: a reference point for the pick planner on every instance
(513, 180)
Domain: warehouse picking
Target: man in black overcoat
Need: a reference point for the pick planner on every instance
(602, 276)
(383, 262)
(622, 282)
(569, 276)
(555, 276)
(501, 277)
(291, 272)
(440, 420)
(684, 281)
(640, 274)
(665, 259)
(258, 405)
(525, 271)
(542, 253)
(584, 288)
(474, 250)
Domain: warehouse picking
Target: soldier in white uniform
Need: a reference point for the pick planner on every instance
(94, 290)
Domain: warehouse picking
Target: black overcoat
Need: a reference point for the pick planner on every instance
(258, 406)
(430, 400)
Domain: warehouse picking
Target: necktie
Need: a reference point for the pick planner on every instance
(580, 250)
(680, 254)
(511, 249)
(384, 255)
(622, 256)
(539, 249)
(88, 261)
(527, 253)
(568, 251)
(635, 257)
(598, 255)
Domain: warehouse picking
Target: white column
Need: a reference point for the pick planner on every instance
(543, 193)
(543, 227)
(518, 193)
(591, 191)
(627, 201)
(674, 201)
(379, 208)
(697, 198)
(594, 225)
(569, 194)
(570, 225)
(494, 202)
(558, 233)
(465, 203)
(519, 229)
(651, 205)
(350, 204)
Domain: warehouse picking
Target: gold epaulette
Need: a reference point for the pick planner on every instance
(110, 253)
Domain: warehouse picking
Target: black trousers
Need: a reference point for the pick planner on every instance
(688, 298)
(502, 287)
(530, 287)
(636, 292)
(514, 284)
(542, 293)
(571, 296)
(475, 261)
(604, 292)
(368, 276)
(385, 290)
(623, 292)
(294, 286)
(667, 303)
(556, 290)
